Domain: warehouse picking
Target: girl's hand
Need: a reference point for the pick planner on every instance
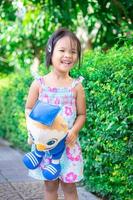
(71, 137)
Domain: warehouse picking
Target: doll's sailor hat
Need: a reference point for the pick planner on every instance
(44, 113)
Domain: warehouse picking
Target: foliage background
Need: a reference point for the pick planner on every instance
(26, 25)
(106, 138)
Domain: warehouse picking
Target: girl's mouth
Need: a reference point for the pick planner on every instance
(66, 62)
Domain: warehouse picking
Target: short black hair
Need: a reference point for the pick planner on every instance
(60, 33)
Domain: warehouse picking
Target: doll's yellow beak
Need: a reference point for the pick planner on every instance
(40, 147)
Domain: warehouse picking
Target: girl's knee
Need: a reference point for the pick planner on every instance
(68, 187)
(51, 186)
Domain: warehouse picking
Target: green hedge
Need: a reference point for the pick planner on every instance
(106, 137)
(12, 98)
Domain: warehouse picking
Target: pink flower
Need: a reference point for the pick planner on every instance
(45, 162)
(57, 101)
(68, 110)
(52, 89)
(65, 99)
(46, 98)
(73, 153)
(70, 177)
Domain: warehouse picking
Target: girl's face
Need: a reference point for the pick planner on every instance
(65, 54)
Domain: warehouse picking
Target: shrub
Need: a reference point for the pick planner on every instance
(12, 98)
(106, 138)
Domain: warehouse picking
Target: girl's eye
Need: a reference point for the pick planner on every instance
(61, 50)
(51, 142)
(74, 52)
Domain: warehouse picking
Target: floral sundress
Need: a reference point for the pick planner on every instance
(71, 160)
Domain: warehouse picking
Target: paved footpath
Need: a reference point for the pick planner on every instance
(15, 183)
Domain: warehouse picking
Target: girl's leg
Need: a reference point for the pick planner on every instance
(70, 191)
(51, 188)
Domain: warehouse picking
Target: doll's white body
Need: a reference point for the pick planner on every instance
(46, 138)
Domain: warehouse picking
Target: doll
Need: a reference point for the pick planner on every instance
(48, 130)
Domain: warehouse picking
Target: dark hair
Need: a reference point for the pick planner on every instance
(60, 33)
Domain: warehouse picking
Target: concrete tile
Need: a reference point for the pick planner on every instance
(8, 193)
(30, 190)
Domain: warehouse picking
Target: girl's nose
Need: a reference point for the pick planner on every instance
(68, 54)
(40, 147)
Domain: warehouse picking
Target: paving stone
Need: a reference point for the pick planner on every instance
(85, 195)
(30, 190)
(9, 154)
(15, 175)
(7, 192)
(2, 179)
(60, 194)
(12, 164)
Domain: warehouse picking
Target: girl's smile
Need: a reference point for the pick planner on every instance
(66, 63)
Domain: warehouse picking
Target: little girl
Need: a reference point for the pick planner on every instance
(63, 51)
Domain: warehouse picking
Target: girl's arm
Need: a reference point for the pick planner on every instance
(81, 114)
(31, 100)
(32, 97)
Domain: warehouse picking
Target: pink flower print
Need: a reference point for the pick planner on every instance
(71, 102)
(52, 89)
(57, 101)
(73, 153)
(45, 162)
(41, 80)
(68, 110)
(65, 99)
(46, 98)
(70, 177)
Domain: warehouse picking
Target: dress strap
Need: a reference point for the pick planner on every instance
(77, 81)
(40, 80)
